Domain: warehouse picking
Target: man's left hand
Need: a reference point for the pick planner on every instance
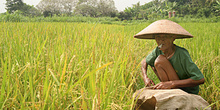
(165, 85)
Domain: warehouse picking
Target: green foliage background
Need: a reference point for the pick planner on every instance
(156, 9)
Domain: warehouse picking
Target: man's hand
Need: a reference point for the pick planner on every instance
(165, 85)
(148, 82)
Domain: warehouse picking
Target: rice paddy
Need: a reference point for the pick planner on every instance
(90, 66)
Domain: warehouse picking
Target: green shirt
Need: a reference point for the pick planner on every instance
(182, 64)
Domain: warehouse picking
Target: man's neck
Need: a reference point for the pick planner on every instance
(169, 52)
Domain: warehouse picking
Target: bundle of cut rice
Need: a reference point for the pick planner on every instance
(170, 99)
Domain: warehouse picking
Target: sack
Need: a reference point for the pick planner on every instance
(169, 99)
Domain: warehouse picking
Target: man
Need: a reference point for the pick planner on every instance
(172, 64)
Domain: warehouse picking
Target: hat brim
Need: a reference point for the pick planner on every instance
(163, 27)
(152, 36)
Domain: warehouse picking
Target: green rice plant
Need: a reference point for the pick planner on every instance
(47, 65)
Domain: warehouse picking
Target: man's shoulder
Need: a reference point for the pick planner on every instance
(182, 52)
(181, 49)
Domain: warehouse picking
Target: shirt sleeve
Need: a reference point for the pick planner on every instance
(190, 67)
(150, 59)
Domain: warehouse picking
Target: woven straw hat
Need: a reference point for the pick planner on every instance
(163, 27)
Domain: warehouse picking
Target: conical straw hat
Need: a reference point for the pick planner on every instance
(163, 27)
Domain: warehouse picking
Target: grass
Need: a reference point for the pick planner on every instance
(90, 66)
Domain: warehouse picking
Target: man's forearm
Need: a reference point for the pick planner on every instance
(187, 82)
(144, 69)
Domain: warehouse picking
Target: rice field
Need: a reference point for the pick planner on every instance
(90, 66)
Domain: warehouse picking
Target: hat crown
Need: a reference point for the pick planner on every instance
(163, 27)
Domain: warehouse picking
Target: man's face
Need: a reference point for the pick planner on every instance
(164, 41)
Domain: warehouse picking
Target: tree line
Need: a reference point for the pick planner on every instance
(92, 8)
(182, 8)
(106, 8)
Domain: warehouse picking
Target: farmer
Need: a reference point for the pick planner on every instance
(171, 63)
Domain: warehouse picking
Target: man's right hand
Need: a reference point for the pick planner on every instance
(148, 82)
